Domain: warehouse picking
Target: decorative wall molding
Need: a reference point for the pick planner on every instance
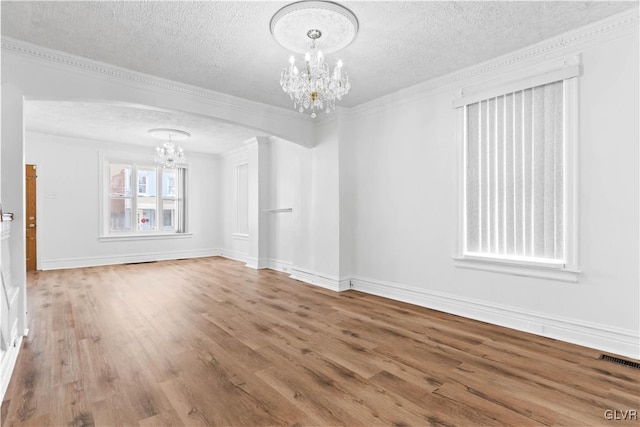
(222, 100)
(318, 279)
(64, 263)
(592, 34)
(602, 337)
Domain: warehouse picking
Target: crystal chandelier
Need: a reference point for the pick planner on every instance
(313, 86)
(169, 155)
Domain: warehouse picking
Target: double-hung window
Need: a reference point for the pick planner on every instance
(518, 195)
(143, 199)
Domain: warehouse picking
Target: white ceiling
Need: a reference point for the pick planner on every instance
(226, 46)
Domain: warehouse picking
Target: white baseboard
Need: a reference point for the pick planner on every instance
(7, 365)
(64, 263)
(317, 279)
(257, 264)
(279, 265)
(306, 276)
(270, 263)
(614, 340)
(234, 255)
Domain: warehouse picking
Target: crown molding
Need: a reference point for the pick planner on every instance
(222, 100)
(589, 35)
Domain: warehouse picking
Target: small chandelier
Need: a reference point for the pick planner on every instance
(314, 87)
(169, 155)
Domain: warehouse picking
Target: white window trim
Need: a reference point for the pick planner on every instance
(104, 235)
(568, 70)
(126, 237)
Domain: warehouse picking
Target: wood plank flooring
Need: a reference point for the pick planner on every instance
(210, 342)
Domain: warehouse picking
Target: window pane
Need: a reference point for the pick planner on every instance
(120, 218)
(146, 181)
(120, 180)
(146, 218)
(169, 214)
(169, 182)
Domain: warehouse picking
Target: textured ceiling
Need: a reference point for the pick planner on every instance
(226, 46)
(129, 123)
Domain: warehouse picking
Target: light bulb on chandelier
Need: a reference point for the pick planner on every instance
(313, 86)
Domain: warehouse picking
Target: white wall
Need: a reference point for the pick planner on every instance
(68, 204)
(316, 242)
(405, 191)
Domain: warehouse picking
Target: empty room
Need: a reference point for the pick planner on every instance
(252, 213)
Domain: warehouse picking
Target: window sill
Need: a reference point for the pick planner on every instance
(133, 237)
(543, 271)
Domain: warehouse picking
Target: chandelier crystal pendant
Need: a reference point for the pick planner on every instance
(170, 155)
(313, 86)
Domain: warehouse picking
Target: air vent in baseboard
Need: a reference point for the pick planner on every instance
(620, 361)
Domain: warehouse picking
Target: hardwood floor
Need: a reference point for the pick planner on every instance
(210, 342)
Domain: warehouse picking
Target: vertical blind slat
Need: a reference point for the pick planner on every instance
(549, 172)
(484, 167)
(519, 179)
(510, 176)
(527, 124)
(472, 179)
(500, 217)
(539, 166)
(491, 173)
(559, 171)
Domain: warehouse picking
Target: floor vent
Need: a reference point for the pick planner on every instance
(139, 262)
(620, 361)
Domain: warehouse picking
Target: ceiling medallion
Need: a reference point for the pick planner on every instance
(324, 23)
(169, 154)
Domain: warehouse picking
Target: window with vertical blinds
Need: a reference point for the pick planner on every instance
(514, 183)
